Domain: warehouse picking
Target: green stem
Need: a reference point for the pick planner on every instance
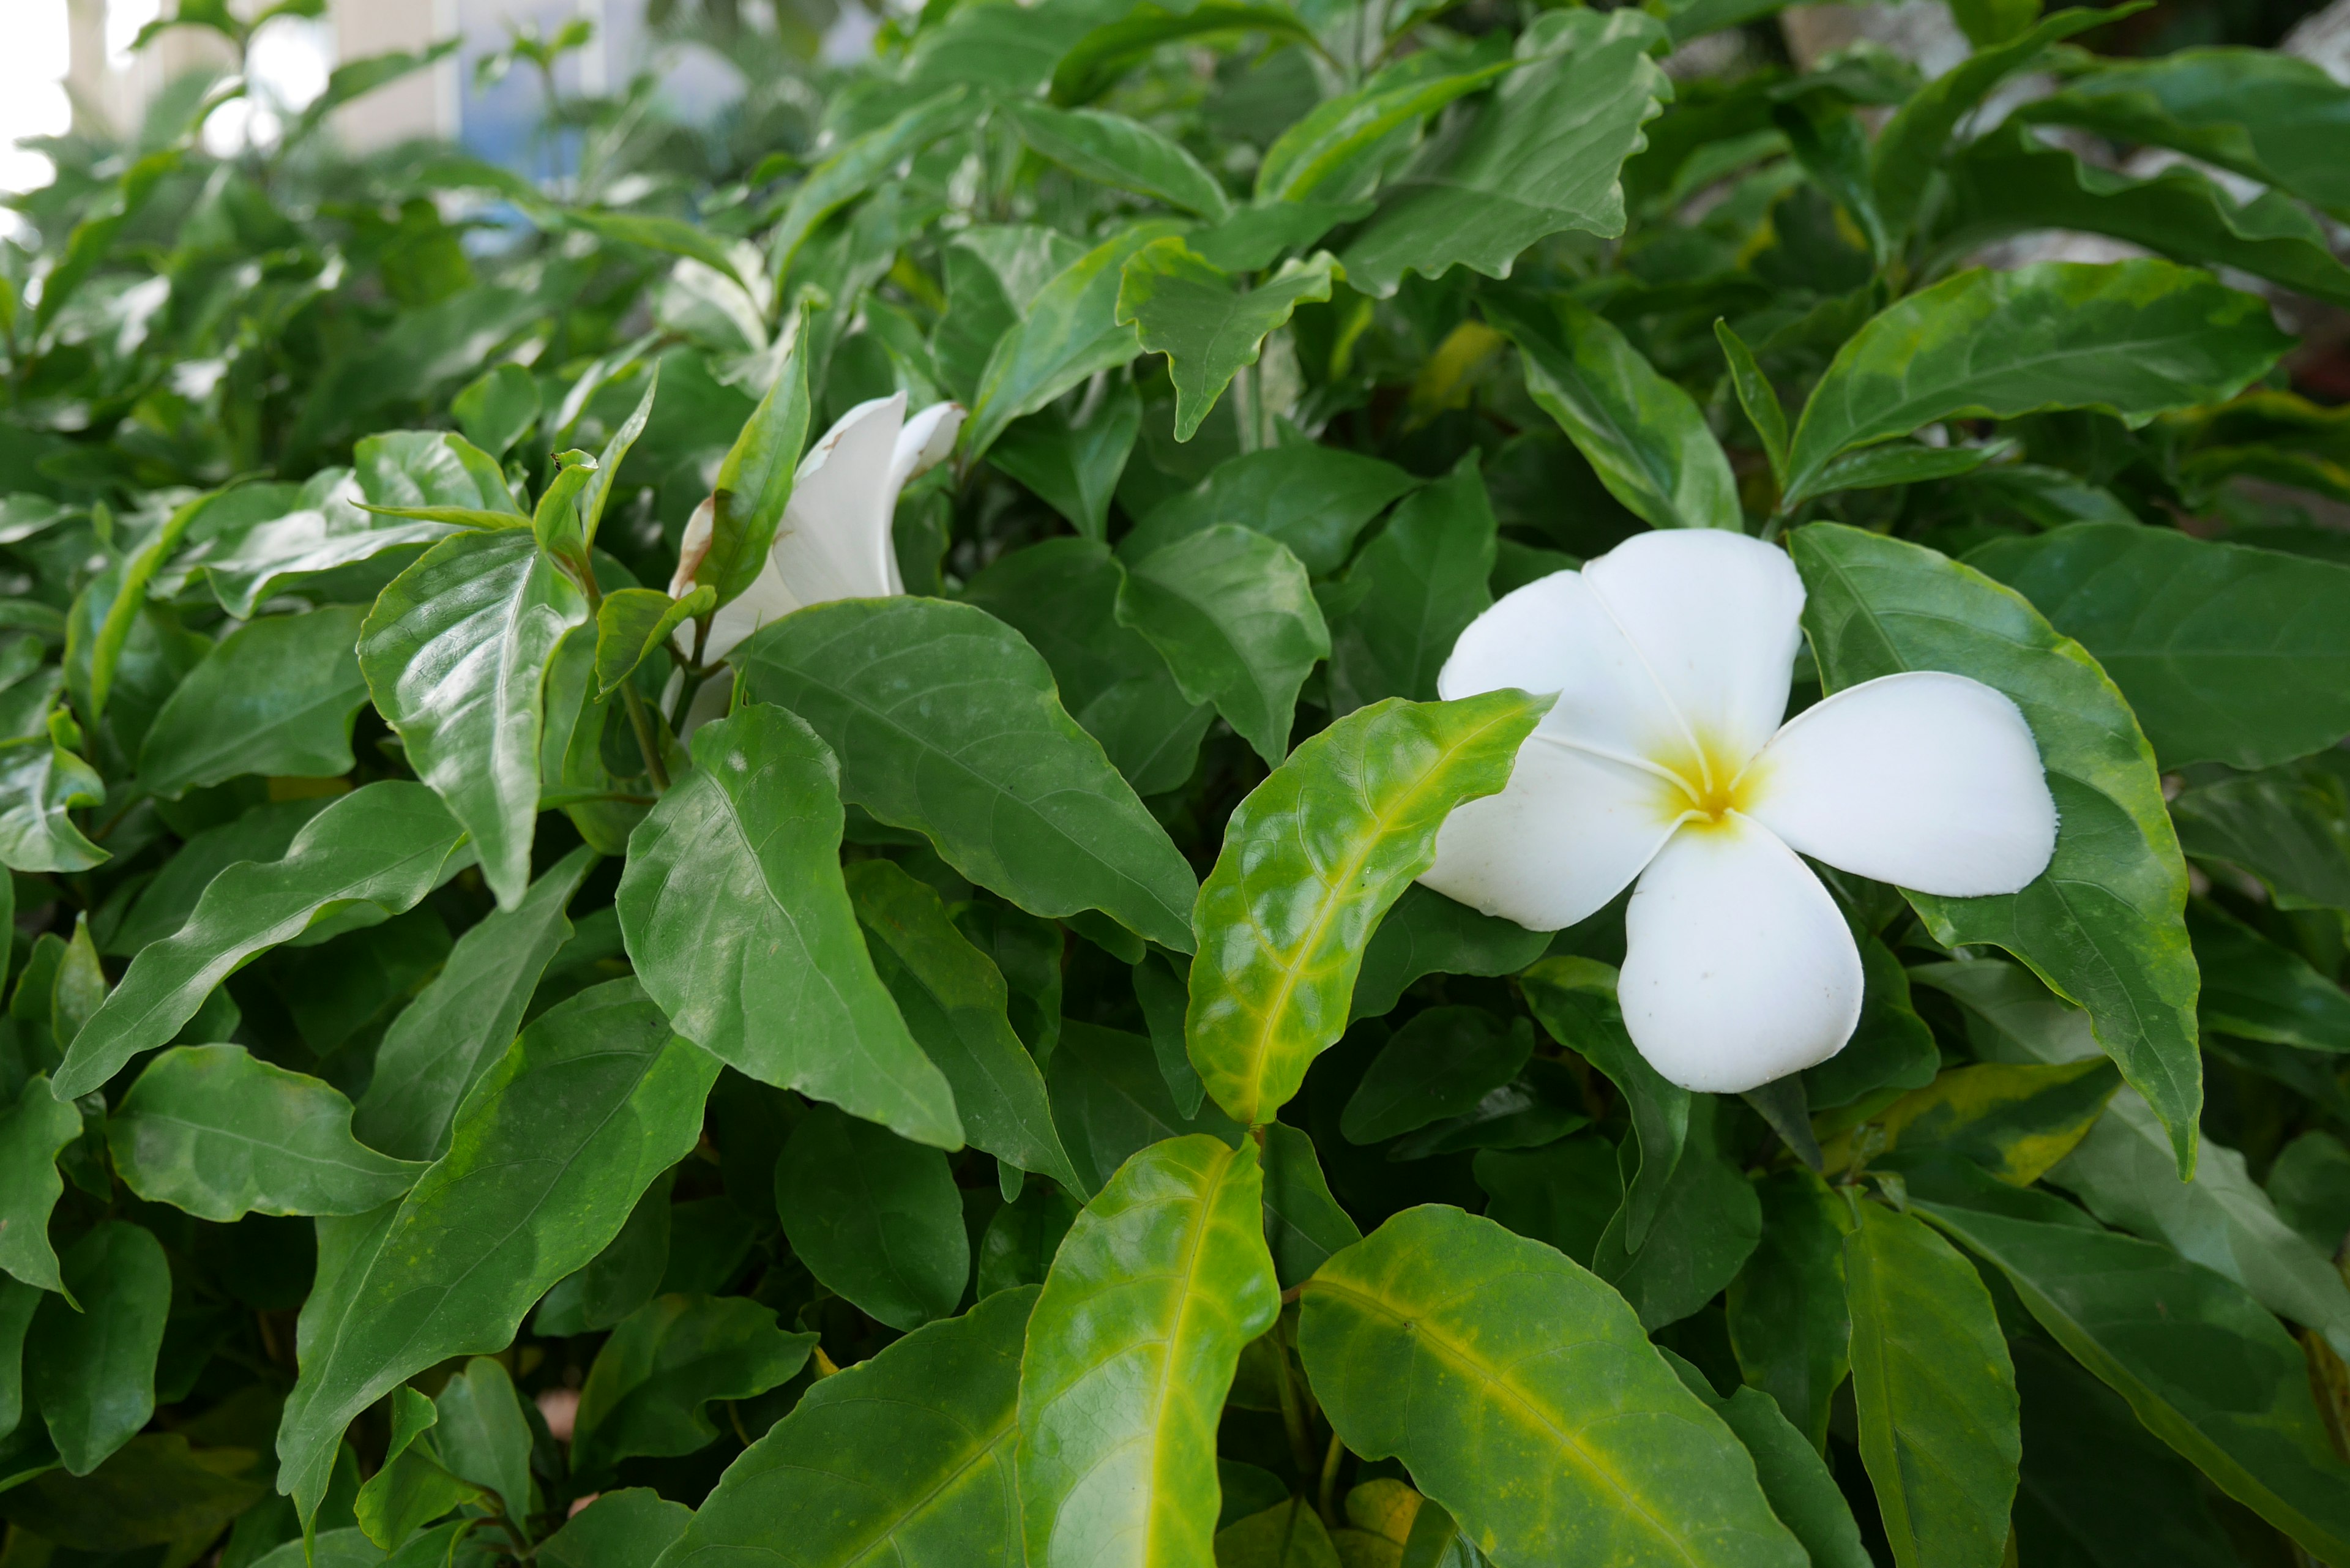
(1326, 1498)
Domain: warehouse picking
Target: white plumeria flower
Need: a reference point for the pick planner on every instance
(1665, 760)
(834, 542)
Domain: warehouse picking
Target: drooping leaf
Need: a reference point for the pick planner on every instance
(1524, 1397)
(277, 697)
(907, 1455)
(946, 722)
(646, 1393)
(32, 1131)
(545, 1163)
(874, 1217)
(739, 864)
(455, 653)
(1185, 307)
(2134, 339)
(1130, 1350)
(2102, 924)
(92, 1371)
(459, 1023)
(373, 854)
(1311, 860)
(212, 1130)
(1541, 157)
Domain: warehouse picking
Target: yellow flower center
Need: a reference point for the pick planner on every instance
(1706, 785)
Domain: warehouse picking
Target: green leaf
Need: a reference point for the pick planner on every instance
(1289, 1534)
(873, 1216)
(1303, 1223)
(40, 782)
(1439, 1063)
(632, 622)
(1644, 437)
(1757, 397)
(413, 1487)
(754, 482)
(2226, 654)
(645, 1393)
(1934, 1392)
(373, 854)
(547, 1158)
(621, 1278)
(2133, 340)
(2153, 1326)
(2265, 114)
(618, 1530)
(2221, 1220)
(857, 168)
(277, 697)
(1341, 149)
(483, 1435)
(738, 922)
(1424, 933)
(461, 1024)
(1574, 999)
(1094, 63)
(605, 473)
(1182, 307)
(455, 653)
(2102, 925)
(1891, 1047)
(1797, 1481)
(1310, 861)
(32, 1131)
(214, 1131)
(1543, 156)
(1789, 1324)
(91, 1372)
(906, 1457)
(497, 408)
(2015, 1120)
(154, 1490)
(1708, 1223)
(1130, 1350)
(1523, 1397)
(1903, 161)
(1904, 462)
(953, 1001)
(1313, 498)
(1125, 154)
(2289, 826)
(1234, 617)
(1423, 580)
(1070, 331)
(2254, 990)
(1074, 462)
(1110, 1100)
(946, 722)
(2009, 183)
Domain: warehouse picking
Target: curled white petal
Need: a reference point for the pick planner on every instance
(1737, 967)
(1717, 620)
(1925, 780)
(1569, 833)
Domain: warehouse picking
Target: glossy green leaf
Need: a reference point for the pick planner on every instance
(1314, 499)
(1789, 1324)
(497, 408)
(1644, 437)
(1310, 861)
(1185, 307)
(739, 864)
(754, 485)
(1541, 157)
(1130, 1350)
(1341, 149)
(1524, 1397)
(1110, 1100)
(545, 1162)
(1126, 154)
(215, 1131)
(1232, 614)
(2134, 339)
(461, 1024)
(631, 623)
(1423, 580)
(2226, 654)
(32, 1131)
(1069, 332)
(92, 1371)
(646, 1393)
(953, 1001)
(946, 721)
(372, 854)
(2015, 1120)
(1934, 1392)
(277, 697)
(1097, 59)
(908, 1456)
(2256, 990)
(618, 1530)
(857, 168)
(874, 1217)
(2156, 1329)
(2102, 925)
(40, 783)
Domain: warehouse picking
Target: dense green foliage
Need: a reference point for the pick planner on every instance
(971, 1076)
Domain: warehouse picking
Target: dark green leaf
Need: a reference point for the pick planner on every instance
(632, 622)
(154, 1490)
(92, 1371)
(1439, 1064)
(662, 1364)
(1425, 933)
(1789, 1324)
(618, 1530)
(1314, 499)
(754, 485)
(1110, 1100)
(1185, 307)
(2289, 826)
(1707, 1224)
(1563, 1193)
(1074, 463)
(1795, 1479)
(1104, 54)
(2257, 991)
(874, 1217)
(1123, 153)
(855, 168)
(1424, 578)
(277, 697)
(40, 782)
(497, 408)
(32, 1131)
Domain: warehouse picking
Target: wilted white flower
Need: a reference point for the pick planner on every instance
(1665, 760)
(834, 542)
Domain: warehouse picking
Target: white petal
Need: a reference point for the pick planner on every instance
(924, 444)
(1925, 780)
(1716, 617)
(693, 546)
(1566, 835)
(1554, 634)
(1737, 967)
